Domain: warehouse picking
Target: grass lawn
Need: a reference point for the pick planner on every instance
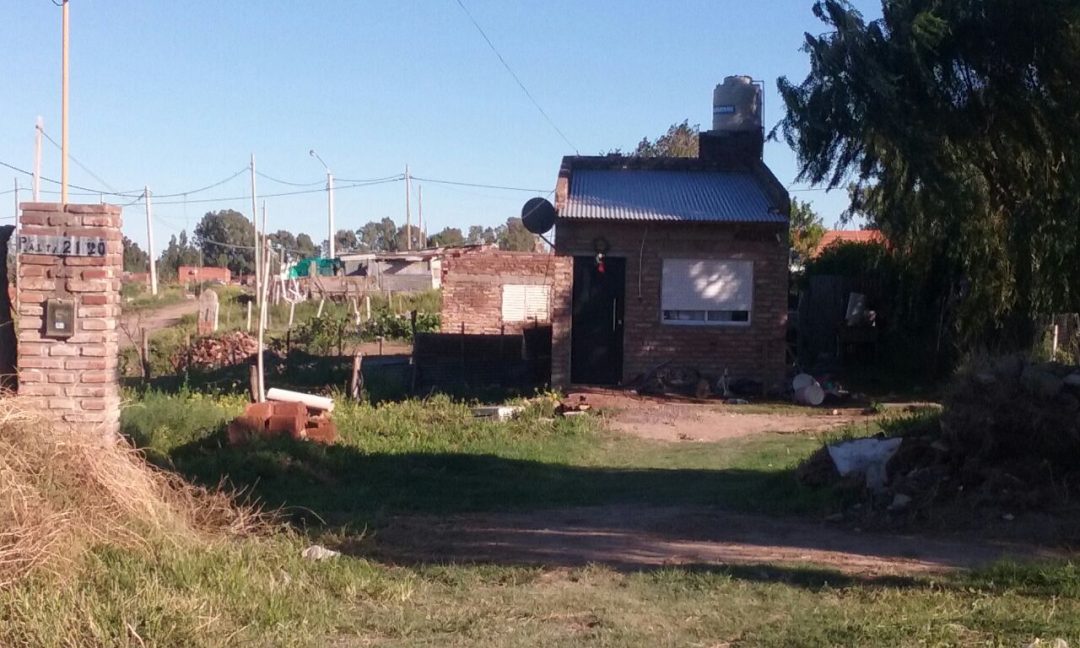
(433, 457)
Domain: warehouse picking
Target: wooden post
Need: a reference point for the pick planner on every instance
(356, 385)
(356, 310)
(463, 375)
(367, 307)
(412, 324)
(292, 313)
(249, 316)
(145, 353)
(380, 344)
(322, 300)
(253, 386)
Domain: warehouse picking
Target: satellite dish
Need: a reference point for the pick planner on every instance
(538, 215)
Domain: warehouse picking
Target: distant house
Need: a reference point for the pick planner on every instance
(679, 261)
(837, 237)
(202, 274)
(397, 271)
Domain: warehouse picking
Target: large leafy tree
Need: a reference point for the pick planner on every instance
(378, 236)
(680, 140)
(346, 241)
(959, 122)
(513, 236)
(179, 252)
(227, 239)
(135, 258)
(447, 237)
(805, 230)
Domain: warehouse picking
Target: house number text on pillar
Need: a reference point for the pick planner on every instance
(62, 245)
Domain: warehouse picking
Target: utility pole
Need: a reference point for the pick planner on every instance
(420, 215)
(39, 127)
(64, 108)
(330, 211)
(150, 240)
(255, 228)
(18, 250)
(331, 246)
(408, 213)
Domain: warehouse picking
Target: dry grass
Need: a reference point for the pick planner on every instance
(64, 490)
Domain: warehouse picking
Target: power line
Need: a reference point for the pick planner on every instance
(286, 182)
(277, 195)
(478, 185)
(514, 74)
(76, 161)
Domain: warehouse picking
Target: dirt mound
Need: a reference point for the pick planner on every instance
(64, 490)
(1017, 415)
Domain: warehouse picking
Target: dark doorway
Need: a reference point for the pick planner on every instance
(596, 329)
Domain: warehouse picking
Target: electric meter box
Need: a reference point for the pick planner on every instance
(60, 318)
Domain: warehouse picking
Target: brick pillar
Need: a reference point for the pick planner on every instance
(74, 379)
(561, 312)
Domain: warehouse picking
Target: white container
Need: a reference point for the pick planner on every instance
(802, 381)
(811, 394)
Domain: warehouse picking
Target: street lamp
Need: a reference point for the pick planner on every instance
(329, 202)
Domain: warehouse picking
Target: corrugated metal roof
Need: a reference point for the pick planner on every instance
(662, 195)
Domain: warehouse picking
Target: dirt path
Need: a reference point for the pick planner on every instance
(639, 537)
(667, 420)
(154, 320)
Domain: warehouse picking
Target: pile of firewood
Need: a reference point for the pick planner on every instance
(216, 352)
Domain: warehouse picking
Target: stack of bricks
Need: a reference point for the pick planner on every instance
(472, 288)
(73, 380)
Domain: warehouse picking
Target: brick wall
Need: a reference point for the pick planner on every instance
(472, 287)
(756, 351)
(73, 379)
(193, 274)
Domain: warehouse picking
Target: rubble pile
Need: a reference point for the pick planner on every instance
(215, 352)
(1008, 437)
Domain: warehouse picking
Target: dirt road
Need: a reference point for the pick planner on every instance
(153, 320)
(671, 420)
(638, 537)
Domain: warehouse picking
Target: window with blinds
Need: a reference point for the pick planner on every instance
(525, 303)
(707, 292)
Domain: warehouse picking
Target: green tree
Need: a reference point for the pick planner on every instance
(402, 238)
(135, 259)
(513, 236)
(378, 236)
(227, 239)
(346, 241)
(305, 247)
(179, 252)
(959, 121)
(680, 140)
(805, 231)
(479, 234)
(447, 237)
(283, 240)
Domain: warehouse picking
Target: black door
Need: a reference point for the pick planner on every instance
(596, 329)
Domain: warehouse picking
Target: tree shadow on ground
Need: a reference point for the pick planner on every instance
(419, 508)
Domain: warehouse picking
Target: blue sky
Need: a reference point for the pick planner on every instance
(177, 95)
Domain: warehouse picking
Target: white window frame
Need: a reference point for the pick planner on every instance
(706, 308)
(532, 311)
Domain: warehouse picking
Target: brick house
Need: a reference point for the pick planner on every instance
(674, 260)
(489, 292)
(200, 274)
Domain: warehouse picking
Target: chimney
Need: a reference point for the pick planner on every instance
(737, 137)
